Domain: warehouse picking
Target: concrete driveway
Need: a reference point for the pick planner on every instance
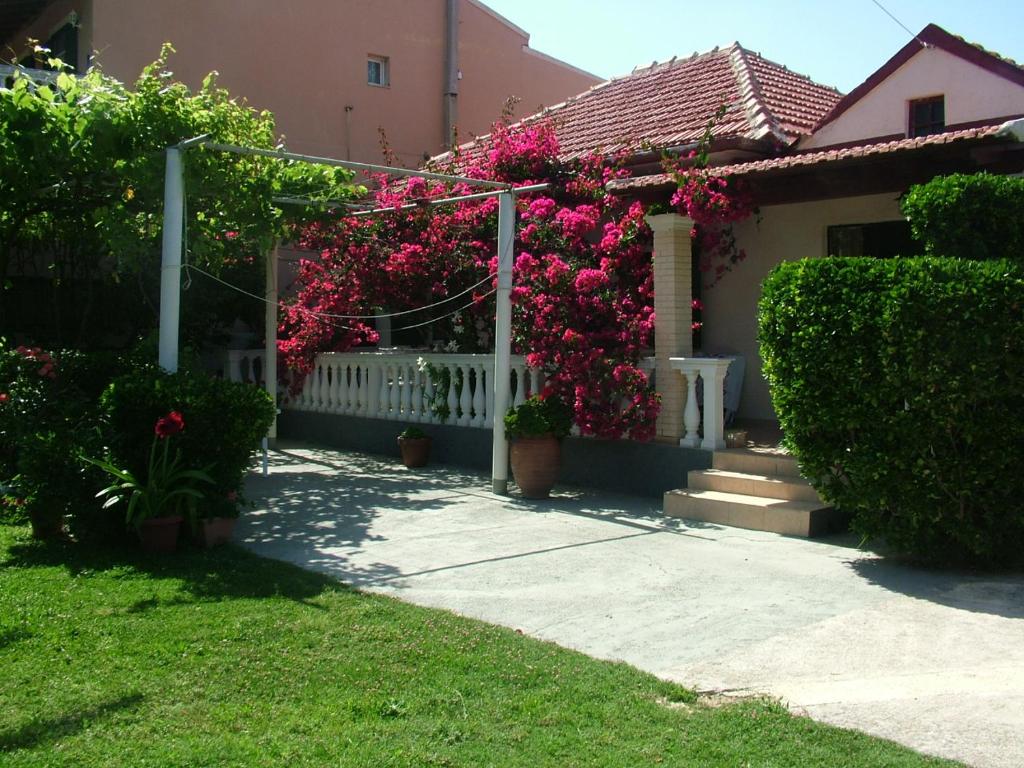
(932, 660)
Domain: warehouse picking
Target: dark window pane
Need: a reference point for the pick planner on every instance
(883, 240)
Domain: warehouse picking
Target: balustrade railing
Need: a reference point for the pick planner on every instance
(711, 370)
(411, 386)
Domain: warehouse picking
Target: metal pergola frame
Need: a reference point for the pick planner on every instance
(171, 265)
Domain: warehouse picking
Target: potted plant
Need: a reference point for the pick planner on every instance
(156, 502)
(216, 524)
(536, 429)
(414, 444)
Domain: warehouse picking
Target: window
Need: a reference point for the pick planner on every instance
(927, 116)
(377, 71)
(883, 240)
(63, 45)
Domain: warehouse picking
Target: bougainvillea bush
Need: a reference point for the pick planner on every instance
(583, 292)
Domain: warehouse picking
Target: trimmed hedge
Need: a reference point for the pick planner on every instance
(970, 216)
(899, 385)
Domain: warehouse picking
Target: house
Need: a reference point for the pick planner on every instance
(335, 73)
(826, 171)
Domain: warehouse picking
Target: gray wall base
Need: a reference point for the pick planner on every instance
(623, 466)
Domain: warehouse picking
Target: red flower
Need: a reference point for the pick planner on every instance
(4, 397)
(168, 425)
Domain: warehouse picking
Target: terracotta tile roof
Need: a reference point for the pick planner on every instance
(669, 105)
(818, 157)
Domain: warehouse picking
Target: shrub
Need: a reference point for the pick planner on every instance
(899, 385)
(226, 421)
(48, 416)
(971, 216)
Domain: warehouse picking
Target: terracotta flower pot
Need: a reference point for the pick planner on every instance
(415, 451)
(216, 530)
(160, 534)
(535, 464)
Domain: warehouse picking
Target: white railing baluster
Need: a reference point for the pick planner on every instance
(416, 411)
(465, 398)
(452, 400)
(520, 388)
(428, 399)
(315, 389)
(372, 389)
(535, 382)
(406, 391)
(478, 396)
(394, 394)
(342, 404)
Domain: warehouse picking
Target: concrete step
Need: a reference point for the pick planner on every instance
(792, 518)
(769, 486)
(756, 462)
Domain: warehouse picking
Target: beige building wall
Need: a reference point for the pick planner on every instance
(971, 93)
(785, 233)
(305, 60)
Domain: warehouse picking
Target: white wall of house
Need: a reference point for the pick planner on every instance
(785, 233)
(971, 93)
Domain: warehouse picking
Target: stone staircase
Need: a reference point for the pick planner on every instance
(759, 489)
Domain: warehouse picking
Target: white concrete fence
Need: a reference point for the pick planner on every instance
(431, 388)
(411, 387)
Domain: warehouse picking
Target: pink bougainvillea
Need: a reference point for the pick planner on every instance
(583, 292)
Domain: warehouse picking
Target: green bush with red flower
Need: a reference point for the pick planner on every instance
(226, 421)
(168, 488)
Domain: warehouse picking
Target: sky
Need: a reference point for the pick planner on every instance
(836, 43)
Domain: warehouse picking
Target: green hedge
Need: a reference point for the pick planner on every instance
(899, 385)
(971, 216)
(224, 423)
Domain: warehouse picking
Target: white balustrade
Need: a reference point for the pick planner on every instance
(397, 386)
(712, 371)
(243, 365)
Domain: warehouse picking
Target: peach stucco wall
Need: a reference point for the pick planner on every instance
(785, 232)
(971, 93)
(305, 60)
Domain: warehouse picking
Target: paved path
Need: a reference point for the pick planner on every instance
(935, 661)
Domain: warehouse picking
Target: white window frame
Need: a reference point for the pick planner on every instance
(385, 70)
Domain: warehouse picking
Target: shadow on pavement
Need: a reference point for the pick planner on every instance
(978, 593)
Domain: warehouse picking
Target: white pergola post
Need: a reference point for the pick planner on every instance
(170, 263)
(503, 341)
(270, 336)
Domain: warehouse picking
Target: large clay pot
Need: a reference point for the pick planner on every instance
(535, 464)
(216, 530)
(160, 534)
(415, 451)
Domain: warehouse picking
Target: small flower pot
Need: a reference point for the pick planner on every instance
(736, 438)
(215, 531)
(415, 451)
(535, 464)
(160, 534)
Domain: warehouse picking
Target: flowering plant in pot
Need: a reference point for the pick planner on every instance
(536, 428)
(414, 444)
(156, 502)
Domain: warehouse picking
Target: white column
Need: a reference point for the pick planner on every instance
(502, 340)
(170, 262)
(713, 371)
(270, 336)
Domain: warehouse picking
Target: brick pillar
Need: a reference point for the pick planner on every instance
(673, 334)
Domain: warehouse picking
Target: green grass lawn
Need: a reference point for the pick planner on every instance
(112, 658)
